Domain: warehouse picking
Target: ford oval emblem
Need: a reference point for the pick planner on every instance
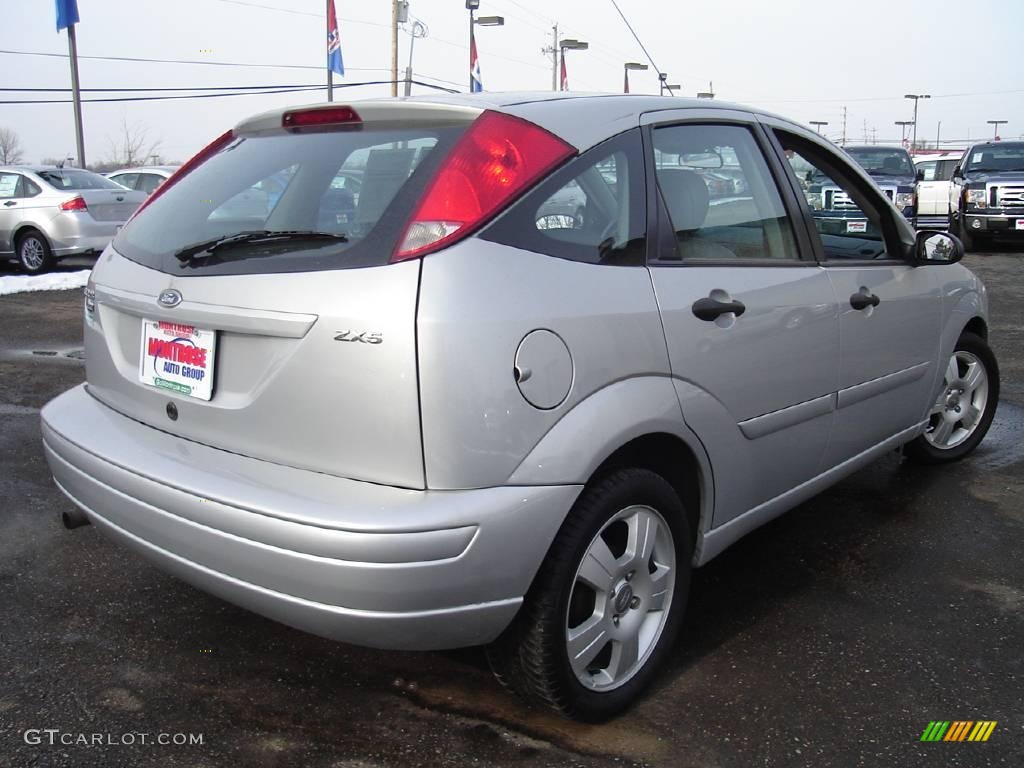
(169, 298)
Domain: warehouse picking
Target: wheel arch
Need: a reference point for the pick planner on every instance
(23, 229)
(633, 422)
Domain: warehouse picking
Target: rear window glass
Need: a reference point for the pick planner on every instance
(74, 180)
(358, 184)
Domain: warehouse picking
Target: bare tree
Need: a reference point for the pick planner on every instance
(10, 147)
(132, 146)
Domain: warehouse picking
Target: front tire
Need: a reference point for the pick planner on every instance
(606, 607)
(963, 411)
(34, 253)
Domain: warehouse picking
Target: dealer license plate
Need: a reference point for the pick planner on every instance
(178, 358)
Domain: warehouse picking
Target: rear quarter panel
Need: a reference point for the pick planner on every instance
(478, 300)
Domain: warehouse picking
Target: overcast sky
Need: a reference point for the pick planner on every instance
(801, 58)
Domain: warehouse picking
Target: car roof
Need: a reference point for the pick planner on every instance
(38, 168)
(582, 119)
(145, 169)
(883, 147)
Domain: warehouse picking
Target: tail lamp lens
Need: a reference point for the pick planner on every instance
(493, 162)
(74, 204)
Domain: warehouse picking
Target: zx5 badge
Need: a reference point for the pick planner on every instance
(365, 337)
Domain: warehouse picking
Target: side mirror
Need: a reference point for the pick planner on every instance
(958, 173)
(808, 175)
(934, 247)
(920, 174)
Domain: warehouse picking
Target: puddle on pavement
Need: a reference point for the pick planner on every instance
(1003, 446)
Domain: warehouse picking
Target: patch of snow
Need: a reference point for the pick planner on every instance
(54, 281)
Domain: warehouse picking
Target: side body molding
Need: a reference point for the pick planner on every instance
(594, 429)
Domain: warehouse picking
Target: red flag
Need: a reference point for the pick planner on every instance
(565, 75)
(476, 82)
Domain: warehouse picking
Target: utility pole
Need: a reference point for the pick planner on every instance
(395, 13)
(865, 131)
(818, 123)
(938, 131)
(874, 134)
(553, 50)
(843, 142)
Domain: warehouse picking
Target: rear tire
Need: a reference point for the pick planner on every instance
(34, 254)
(964, 408)
(606, 607)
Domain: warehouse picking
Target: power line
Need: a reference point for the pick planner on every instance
(638, 41)
(220, 95)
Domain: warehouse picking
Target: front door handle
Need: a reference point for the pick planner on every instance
(864, 300)
(709, 309)
(9, 203)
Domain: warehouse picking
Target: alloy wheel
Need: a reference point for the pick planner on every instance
(621, 598)
(958, 409)
(33, 253)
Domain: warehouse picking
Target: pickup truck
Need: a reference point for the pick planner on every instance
(935, 202)
(891, 169)
(988, 192)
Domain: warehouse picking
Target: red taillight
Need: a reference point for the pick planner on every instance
(200, 157)
(498, 158)
(315, 118)
(74, 204)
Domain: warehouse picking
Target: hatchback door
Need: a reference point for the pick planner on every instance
(751, 327)
(294, 343)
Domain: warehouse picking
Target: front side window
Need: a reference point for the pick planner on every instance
(928, 170)
(847, 222)
(148, 182)
(592, 210)
(944, 171)
(719, 194)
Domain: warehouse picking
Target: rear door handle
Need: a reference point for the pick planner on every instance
(709, 309)
(864, 300)
(9, 203)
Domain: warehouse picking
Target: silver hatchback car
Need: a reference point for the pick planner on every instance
(47, 213)
(428, 413)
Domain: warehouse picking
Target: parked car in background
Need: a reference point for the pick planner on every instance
(145, 179)
(473, 416)
(988, 192)
(48, 213)
(934, 190)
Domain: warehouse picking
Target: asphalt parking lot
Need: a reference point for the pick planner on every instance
(830, 637)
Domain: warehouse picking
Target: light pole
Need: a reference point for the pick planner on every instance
(916, 97)
(709, 93)
(568, 45)
(663, 85)
(903, 129)
(484, 21)
(419, 29)
(995, 128)
(818, 123)
(631, 66)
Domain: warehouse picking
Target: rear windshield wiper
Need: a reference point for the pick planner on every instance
(189, 252)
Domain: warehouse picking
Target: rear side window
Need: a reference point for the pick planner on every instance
(74, 180)
(358, 184)
(125, 179)
(592, 210)
(148, 182)
(722, 202)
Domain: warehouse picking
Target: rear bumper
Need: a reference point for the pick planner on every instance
(367, 564)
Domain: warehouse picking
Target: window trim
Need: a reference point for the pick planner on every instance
(659, 231)
(893, 244)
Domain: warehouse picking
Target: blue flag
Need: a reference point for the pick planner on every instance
(67, 13)
(334, 62)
